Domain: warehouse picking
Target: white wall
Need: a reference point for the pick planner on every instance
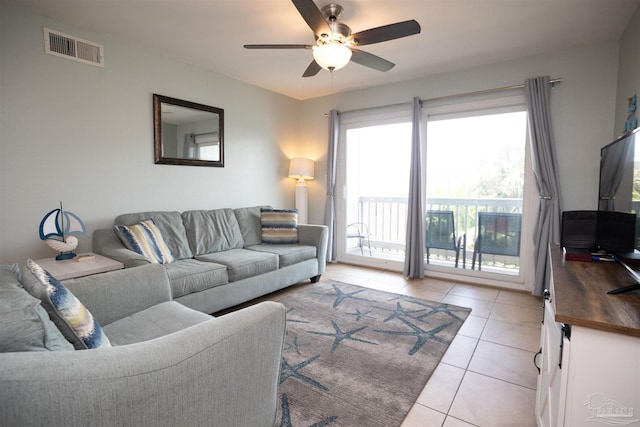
(583, 113)
(83, 135)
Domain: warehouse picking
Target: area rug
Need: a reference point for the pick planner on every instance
(354, 356)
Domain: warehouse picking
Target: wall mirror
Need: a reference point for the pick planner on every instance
(187, 133)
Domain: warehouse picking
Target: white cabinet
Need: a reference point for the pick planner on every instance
(589, 376)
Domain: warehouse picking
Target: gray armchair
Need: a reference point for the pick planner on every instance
(189, 369)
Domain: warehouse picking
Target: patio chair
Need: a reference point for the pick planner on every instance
(498, 234)
(360, 231)
(440, 233)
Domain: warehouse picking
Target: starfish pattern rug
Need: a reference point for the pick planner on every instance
(355, 356)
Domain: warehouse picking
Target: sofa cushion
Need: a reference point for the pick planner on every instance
(70, 316)
(249, 222)
(288, 254)
(156, 321)
(243, 263)
(190, 275)
(279, 226)
(26, 326)
(212, 231)
(170, 226)
(146, 239)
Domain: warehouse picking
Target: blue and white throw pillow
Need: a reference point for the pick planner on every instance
(145, 238)
(279, 226)
(71, 317)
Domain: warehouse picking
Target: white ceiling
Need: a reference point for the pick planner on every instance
(456, 34)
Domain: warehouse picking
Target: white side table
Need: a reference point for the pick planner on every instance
(70, 268)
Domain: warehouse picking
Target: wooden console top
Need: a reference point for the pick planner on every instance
(581, 297)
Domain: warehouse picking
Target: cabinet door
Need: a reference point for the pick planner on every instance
(604, 379)
(551, 390)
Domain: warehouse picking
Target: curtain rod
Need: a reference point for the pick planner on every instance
(457, 95)
(485, 91)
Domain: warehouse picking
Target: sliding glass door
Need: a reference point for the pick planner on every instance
(474, 176)
(374, 152)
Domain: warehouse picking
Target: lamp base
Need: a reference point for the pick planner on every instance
(301, 201)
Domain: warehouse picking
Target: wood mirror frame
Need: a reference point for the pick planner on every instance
(177, 127)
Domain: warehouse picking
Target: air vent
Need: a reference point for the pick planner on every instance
(71, 47)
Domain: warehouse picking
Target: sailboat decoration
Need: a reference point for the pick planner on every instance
(58, 229)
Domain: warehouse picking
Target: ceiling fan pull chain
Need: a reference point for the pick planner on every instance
(331, 72)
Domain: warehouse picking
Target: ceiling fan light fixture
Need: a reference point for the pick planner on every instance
(334, 39)
(332, 56)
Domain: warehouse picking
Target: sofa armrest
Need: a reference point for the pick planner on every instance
(315, 235)
(107, 243)
(223, 372)
(117, 294)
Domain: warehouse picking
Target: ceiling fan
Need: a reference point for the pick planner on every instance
(335, 44)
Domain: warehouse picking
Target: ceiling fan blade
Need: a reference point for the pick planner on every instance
(277, 46)
(312, 16)
(386, 32)
(313, 69)
(370, 60)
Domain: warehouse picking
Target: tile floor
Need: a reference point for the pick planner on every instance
(487, 377)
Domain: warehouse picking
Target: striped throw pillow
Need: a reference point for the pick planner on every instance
(71, 317)
(145, 238)
(279, 226)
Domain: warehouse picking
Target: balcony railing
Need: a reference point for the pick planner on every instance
(386, 219)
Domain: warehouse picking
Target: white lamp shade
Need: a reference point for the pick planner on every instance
(301, 168)
(331, 56)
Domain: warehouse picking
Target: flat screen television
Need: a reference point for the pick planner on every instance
(619, 188)
(619, 201)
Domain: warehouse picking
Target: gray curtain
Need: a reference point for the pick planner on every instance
(330, 206)
(615, 162)
(547, 230)
(414, 249)
(189, 147)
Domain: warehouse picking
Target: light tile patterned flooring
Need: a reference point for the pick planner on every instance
(487, 376)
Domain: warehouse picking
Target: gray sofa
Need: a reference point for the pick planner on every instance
(169, 365)
(221, 260)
